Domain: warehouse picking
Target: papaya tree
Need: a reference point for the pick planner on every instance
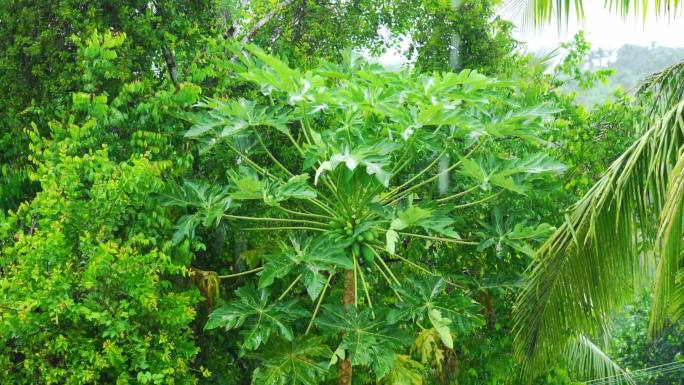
(355, 177)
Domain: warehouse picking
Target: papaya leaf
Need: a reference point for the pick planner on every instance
(234, 117)
(391, 239)
(296, 362)
(311, 260)
(504, 234)
(296, 187)
(404, 372)
(256, 318)
(209, 203)
(249, 187)
(429, 218)
(441, 324)
(427, 300)
(370, 343)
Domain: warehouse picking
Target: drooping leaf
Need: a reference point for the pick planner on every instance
(404, 372)
(294, 188)
(246, 187)
(510, 174)
(441, 324)
(429, 347)
(503, 234)
(391, 239)
(250, 187)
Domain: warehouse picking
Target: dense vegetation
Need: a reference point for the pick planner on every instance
(229, 193)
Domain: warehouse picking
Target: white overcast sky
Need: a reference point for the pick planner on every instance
(603, 28)
(606, 29)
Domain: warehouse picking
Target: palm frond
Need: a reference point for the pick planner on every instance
(670, 234)
(530, 14)
(663, 89)
(590, 266)
(589, 361)
(677, 306)
(541, 12)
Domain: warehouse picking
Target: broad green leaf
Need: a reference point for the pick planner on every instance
(433, 219)
(370, 343)
(504, 234)
(311, 260)
(410, 217)
(510, 174)
(247, 187)
(405, 372)
(277, 266)
(209, 203)
(474, 170)
(296, 187)
(234, 117)
(271, 192)
(297, 362)
(457, 312)
(255, 317)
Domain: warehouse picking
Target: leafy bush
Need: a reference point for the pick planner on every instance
(86, 291)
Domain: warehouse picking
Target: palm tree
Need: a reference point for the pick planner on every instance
(629, 221)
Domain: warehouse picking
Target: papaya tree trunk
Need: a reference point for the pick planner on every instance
(348, 299)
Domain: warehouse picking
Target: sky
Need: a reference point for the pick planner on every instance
(603, 29)
(606, 29)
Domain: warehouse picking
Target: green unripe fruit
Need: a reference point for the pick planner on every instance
(367, 253)
(360, 238)
(355, 248)
(349, 232)
(368, 236)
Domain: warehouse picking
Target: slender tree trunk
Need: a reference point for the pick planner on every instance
(171, 66)
(348, 299)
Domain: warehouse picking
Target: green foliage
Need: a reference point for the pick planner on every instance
(448, 312)
(85, 291)
(369, 342)
(336, 183)
(262, 319)
(41, 67)
(601, 252)
(635, 349)
(311, 262)
(353, 178)
(302, 361)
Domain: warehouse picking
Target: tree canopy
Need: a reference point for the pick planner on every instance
(236, 192)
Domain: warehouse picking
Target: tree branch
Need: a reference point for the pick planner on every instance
(171, 66)
(263, 21)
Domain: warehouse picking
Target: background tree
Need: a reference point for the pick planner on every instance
(625, 224)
